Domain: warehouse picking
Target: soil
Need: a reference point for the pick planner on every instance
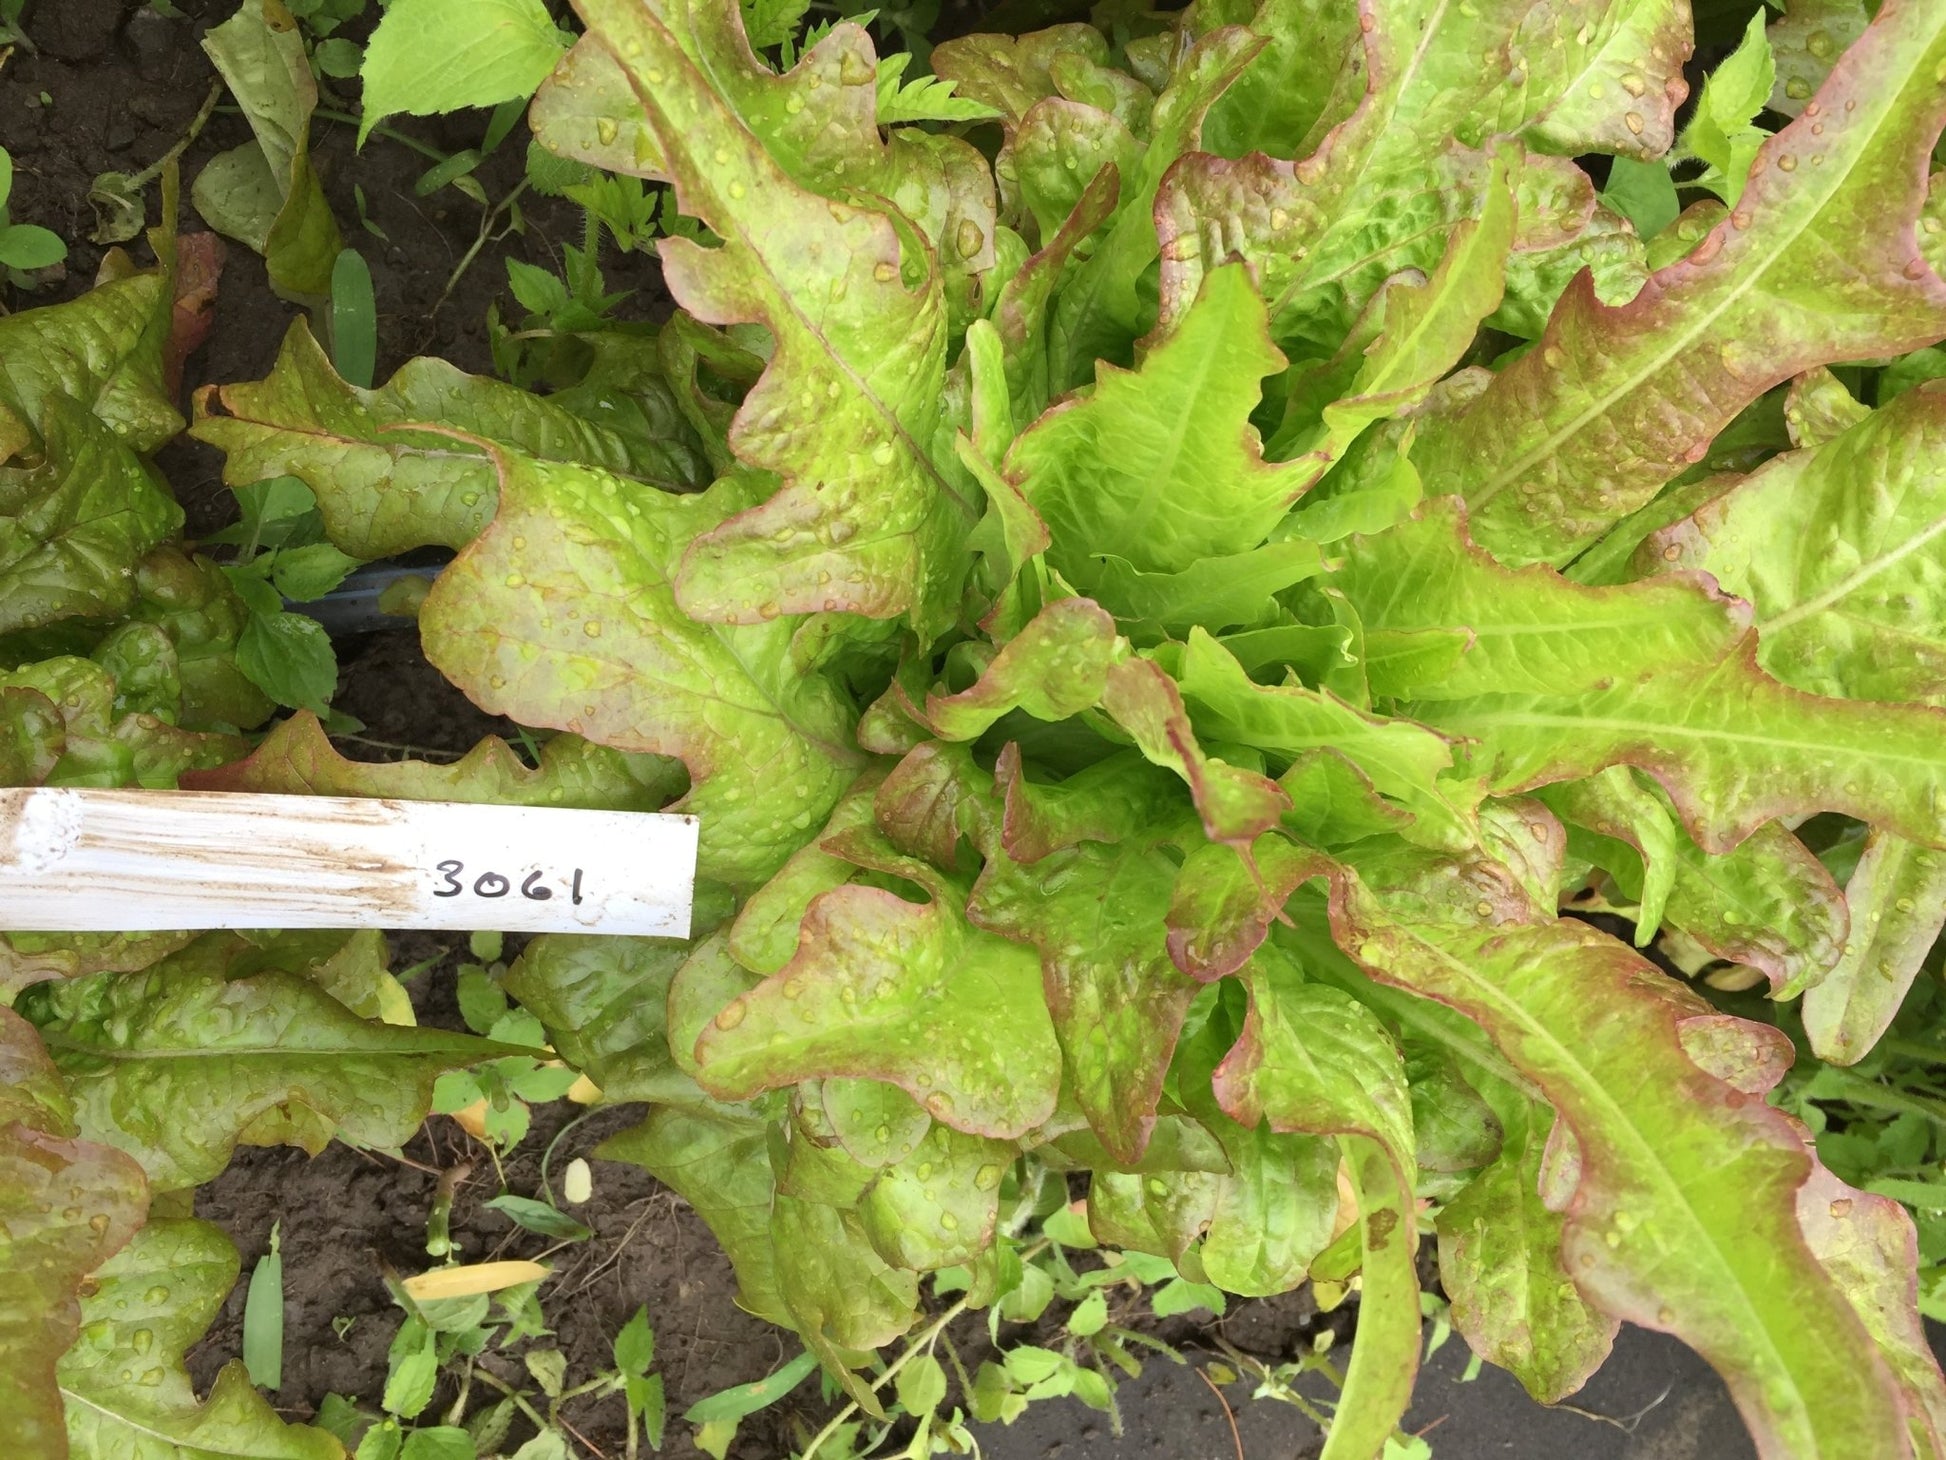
(112, 86)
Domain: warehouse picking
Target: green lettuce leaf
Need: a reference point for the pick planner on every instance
(1685, 1213)
(68, 1206)
(176, 1066)
(73, 527)
(562, 614)
(1617, 400)
(383, 489)
(868, 520)
(297, 759)
(885, 989)
(152, 1302)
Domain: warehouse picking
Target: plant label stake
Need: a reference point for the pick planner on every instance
(77, 860)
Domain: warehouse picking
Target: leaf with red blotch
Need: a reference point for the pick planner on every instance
(66, 1207)
(1617, 400)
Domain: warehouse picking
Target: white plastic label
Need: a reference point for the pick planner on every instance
(77, 860)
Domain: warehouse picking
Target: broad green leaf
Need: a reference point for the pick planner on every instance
(430, 56)
(1732, 747)
(73, 527)
(1530, 630)
(1644, 193)
(1313, 1059)
(1617, 400)
(66, 1206)
(1804, 42)
(1501, 1263)
(177, 1067)
(152, 1302)
(1841, 552)
(1105, 306)
(1897, 900)
(384, 490)
(1275, 1209)
(717, 1161)
(1160, 465)
(604, 1002)
(265, 193)
(885, 989)
(938, 1206)
(1382, 191)
(1403, 760)
(562, 614)
(298, 759)
(867, 520)
(104, 746)
(1721, 130)
(1424, 329)
(103, 351)
(1684, 1213)
(289, 657)
(1095, 913)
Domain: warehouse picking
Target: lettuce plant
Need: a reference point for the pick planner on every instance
(1160, 590)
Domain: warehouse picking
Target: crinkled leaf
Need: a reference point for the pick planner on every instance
(867, 520)
(1897, 902)
(1616, 401)
(1530, 630)
(297, 759)
(103, 745)
(1095, 914)
(938, 1205)
(73, 527)
(382, 489)
(104, 351)
(1384, 188)
(562, 614)
(889, 990)
(1501, 1263)
(177, 1067)
(1274, 1210)
(1105, 307)
(604, 1003)
(66, 1206)
(1733, 748)
(1403, 760)
(1160, 465)
(128, 1393)
(1312, 1058)
(1684, 1214)
(1841, 552)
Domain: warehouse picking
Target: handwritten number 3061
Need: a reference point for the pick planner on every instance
(492, 884)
